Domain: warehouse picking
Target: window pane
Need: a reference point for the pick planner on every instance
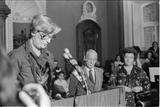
(148, 35)
(151, 12)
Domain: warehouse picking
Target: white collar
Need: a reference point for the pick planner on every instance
(88, 69)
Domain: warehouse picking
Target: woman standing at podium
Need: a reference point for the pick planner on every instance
(132, 78)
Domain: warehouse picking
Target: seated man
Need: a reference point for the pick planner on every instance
(32, 60)
(93, 75)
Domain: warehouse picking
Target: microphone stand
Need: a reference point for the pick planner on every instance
(75, 96)
(81, 75)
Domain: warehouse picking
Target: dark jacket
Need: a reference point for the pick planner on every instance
(31, 68)
(75, 87)
(156, 51)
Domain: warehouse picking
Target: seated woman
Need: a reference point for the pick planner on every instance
(155, 48)
(60, 86)
(138, 50)
(132, 78)
(150, 61)
(155, 53)
(117, 63)
(115, 66)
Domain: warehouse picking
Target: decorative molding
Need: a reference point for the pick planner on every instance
(88, 11)
(4, 11)
(23, 11)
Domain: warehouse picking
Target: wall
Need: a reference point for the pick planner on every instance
(68, 13)
(114, 34)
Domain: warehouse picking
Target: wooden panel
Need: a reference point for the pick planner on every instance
(68, 102)
(113, 97)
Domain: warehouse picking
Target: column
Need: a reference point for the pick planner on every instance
(4, 11)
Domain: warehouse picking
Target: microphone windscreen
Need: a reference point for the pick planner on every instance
(69, 55)
(66, 50)
(65, 56)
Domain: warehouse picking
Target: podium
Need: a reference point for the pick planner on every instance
(111, 97)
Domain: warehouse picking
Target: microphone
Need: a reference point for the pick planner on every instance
(66, 50)
(67, 55)
(73, 62)
(78, 73)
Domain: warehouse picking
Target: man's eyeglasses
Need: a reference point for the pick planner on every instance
(46, 36)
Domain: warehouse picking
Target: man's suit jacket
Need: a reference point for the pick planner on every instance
(75, 87)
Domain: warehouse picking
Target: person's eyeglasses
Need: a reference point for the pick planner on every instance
(46, 36)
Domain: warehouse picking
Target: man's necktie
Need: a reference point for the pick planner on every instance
(91, 76)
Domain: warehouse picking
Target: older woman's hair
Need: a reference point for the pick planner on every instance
(8, 81)
(130, 50)
(44, 24)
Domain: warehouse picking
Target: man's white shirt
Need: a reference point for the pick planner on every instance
(93, 72)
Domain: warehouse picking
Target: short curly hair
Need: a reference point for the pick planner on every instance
(45, 24)
(130, 50)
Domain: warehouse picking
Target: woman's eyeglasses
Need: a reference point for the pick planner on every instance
(46, 36)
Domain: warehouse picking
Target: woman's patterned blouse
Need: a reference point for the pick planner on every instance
(137, 77)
